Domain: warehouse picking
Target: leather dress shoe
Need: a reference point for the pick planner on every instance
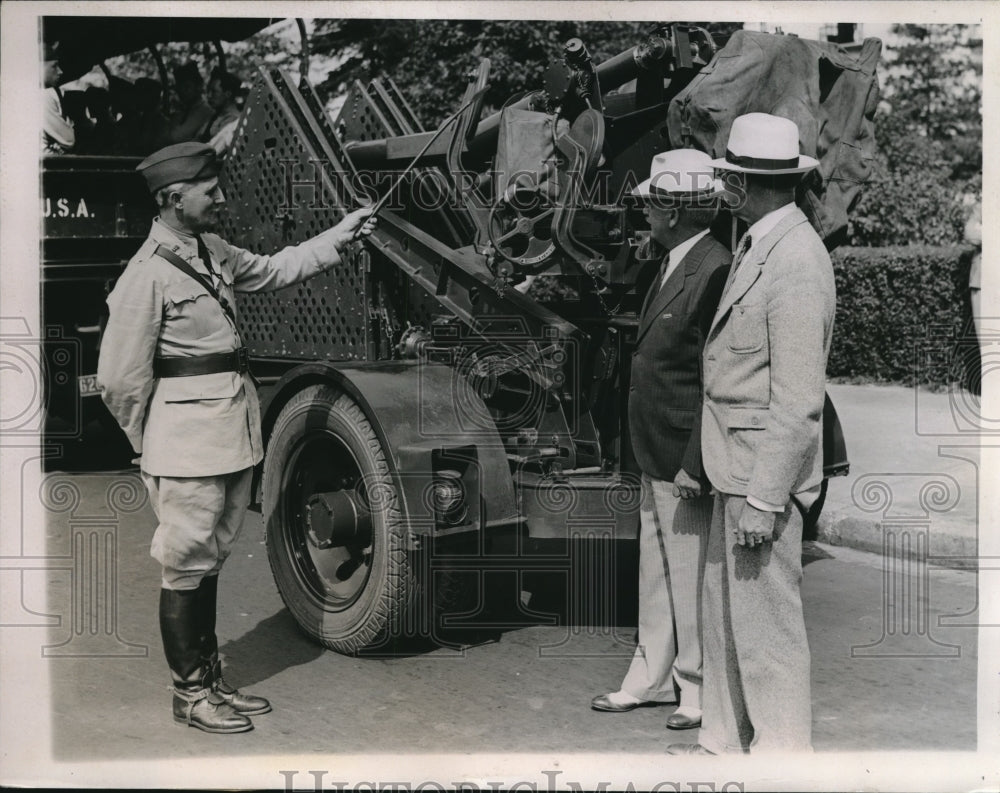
(688, 748)
(604, 703)
(679, 721)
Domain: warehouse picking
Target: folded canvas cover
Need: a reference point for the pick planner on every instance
(831, 94)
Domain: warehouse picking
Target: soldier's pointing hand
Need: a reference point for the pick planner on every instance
(355, 225)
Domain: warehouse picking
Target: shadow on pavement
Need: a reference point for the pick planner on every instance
(811, 552)
(490, 602)
(273, 645)
(588, 583)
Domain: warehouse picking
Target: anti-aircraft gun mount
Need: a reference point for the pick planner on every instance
(427, 405)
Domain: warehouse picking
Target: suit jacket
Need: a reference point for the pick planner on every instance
(200, 425)
(765, 367)
(666, 389)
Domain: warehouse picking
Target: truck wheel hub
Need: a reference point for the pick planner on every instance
(336, 519)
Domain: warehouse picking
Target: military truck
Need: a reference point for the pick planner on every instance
(95, 213)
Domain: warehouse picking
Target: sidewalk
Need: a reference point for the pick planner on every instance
(913, 485)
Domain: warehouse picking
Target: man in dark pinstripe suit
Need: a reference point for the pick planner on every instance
(680, 201)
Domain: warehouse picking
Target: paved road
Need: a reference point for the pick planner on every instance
(521, 689)
(914, 460)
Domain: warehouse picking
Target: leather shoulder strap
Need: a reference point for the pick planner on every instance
(188, 270)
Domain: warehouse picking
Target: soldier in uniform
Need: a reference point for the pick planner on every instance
(173, 372)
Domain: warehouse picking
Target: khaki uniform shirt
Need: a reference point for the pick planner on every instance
(202, 425)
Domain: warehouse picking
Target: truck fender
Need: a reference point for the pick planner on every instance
(427, 418)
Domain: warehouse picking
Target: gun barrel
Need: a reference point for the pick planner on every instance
(619, 69)
(388, 153)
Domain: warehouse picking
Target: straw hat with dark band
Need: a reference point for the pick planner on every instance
(764, 144)
(681, 175)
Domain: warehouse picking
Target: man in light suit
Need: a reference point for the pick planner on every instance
(680, 201)
(173, 373)
(765, 366)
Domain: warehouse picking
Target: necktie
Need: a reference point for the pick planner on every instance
(663, 271)
(62, 103)
(206, 259)
(656, 284)
(741, 251)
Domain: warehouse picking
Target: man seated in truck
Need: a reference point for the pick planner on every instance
(173, 373)
(142, 128)
(98, 133)
(191, 120)
(58, 135)
(223, 90)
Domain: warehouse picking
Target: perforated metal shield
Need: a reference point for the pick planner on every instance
(361, 118)
(369, 113)
(284, 183)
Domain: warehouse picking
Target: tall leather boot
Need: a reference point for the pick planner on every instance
(247, 704)
(195, 703)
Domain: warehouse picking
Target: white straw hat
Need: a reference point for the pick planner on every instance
(681, 174)
(764, 144)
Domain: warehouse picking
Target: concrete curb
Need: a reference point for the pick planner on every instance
(864, 534)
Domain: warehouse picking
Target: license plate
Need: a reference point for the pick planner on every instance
(88, 385)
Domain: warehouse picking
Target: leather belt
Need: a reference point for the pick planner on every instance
(187, 366)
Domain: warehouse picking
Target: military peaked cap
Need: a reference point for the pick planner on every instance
(181, 162)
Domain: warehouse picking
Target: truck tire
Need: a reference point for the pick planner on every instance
(359, 589)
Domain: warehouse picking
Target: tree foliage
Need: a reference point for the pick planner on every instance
(928, 128)
(934, 86)
(430, 59)
(242, 58)
(929, 137)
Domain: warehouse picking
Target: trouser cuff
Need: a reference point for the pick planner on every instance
(716, 746)
(664, 697)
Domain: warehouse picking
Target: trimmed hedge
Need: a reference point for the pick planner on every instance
(904, 316)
